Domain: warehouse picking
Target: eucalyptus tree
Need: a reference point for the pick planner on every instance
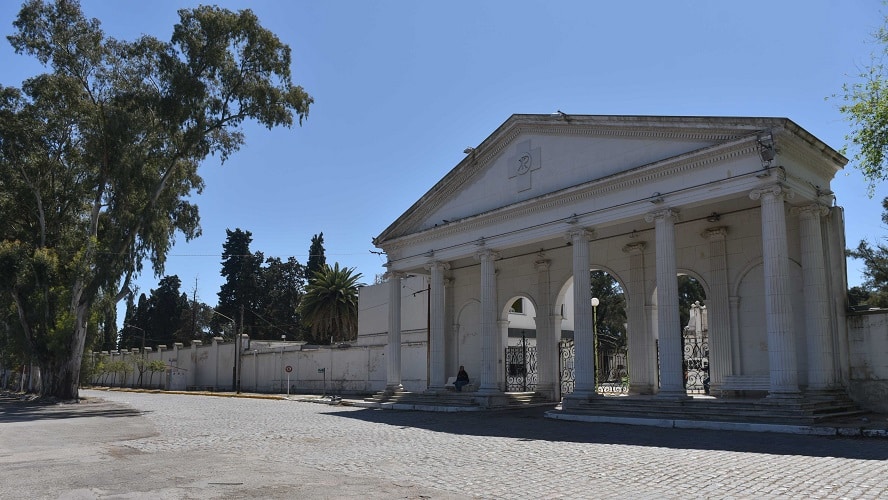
(99, 157)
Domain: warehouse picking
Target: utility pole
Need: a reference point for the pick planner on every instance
(237, 349)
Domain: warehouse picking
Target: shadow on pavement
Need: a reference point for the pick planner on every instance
(13, 409)
(530, 425)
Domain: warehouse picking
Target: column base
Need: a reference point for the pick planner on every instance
(786, 395)
(392, 388)
(672, 394)
(641, 389)
(489, 391)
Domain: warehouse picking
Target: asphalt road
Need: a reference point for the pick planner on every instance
(136, 445)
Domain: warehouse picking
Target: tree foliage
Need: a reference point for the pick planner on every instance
(99, 156)
(865, 106)
(241, 269)
(610, 314)
(316, 258)
(330, 304)
(873, 292)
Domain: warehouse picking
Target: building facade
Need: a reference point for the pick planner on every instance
(742, 205)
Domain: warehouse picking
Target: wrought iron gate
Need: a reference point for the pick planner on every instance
(521, 367)
(611, 365)
(566, 375)
(695, 361)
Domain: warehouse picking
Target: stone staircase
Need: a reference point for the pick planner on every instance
(452, 401)
(808, 411)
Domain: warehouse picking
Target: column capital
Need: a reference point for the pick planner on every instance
(437, 265)
(813, 210)
(668, 213)
(634, 248)
(575, 235)
(715, 233)
(542, 264)
(487, 254)
(394, 274)
(772, 190)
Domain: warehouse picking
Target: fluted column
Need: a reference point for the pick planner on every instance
(821, 372)
(489, 330)
(719, 308)
(393, 349)
(547, 345)
(671, 377)
(642, 363)
(436, 325)
(778, 303)
(584, 362)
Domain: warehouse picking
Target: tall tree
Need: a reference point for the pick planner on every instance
(99, 157)
(241, 270)
(873, 291)
(865, 106)
(611, 311)
(281, 287)
(330, 305)
(316, 258)
(166, 309)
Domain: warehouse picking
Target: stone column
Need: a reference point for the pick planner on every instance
(393, 350)
(547, 345)
(821, 372)
(489, 330)
(584, 342)
(669, 329)
(555, 321)
(641, 342)
(437, 325)
(719, 308)
(778, 303)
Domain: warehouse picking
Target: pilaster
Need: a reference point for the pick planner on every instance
(642, 361)
(547, 345)
(818, 331)
(719, 307)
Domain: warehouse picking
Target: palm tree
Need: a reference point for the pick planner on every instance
(330, 304)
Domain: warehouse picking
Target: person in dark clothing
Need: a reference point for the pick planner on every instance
(462, 378)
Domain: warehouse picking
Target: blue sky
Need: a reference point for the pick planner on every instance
(401, 88)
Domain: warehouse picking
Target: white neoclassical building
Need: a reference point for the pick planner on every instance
(743, 205)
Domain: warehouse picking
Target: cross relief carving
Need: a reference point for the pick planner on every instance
(525, 161)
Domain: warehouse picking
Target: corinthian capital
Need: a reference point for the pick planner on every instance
(772, 190)
(668, 213)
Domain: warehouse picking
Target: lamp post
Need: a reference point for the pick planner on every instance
(595, 303)
(142, 366)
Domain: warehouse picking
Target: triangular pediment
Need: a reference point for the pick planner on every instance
(530, 156)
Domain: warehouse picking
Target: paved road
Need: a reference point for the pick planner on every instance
(133, 445)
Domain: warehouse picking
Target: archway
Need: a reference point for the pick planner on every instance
(609, 333)
(520, 345)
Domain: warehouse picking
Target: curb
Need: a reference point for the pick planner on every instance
(809, 430)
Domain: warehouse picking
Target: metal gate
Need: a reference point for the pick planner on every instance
(695, 361)
(521, 367)
(566, 375)
(611, 367)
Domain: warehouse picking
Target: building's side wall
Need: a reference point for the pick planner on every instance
(868, 358)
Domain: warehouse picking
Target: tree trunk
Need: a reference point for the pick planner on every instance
(60, 376)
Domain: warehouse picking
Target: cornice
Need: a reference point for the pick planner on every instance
(746, 146)
(492, 147)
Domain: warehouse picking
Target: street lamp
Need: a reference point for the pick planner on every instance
(595, 303)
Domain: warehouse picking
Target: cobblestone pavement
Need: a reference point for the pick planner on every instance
(184, 446)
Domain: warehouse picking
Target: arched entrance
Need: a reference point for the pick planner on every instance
(610, 336)
(695, 334)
